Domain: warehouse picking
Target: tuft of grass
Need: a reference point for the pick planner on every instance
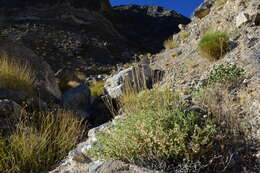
(97, 89)
(213, 45)
(14, 75)
(156, 126)
(40, 141)
(170, 44)
(220, 3)
(184, 35)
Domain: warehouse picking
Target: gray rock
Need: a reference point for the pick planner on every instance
(134, 78)
(9, 112)
(17, 96)
(241, 19)
(257, 19)
(77, 99)
(9, 107)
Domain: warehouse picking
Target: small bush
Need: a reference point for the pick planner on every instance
(226, 73)
(97, 89)
(39, 142)
(213, 45)
(15, 76)
(170, 44)
(155, 128)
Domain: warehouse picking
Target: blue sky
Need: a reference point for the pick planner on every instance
(185, 7)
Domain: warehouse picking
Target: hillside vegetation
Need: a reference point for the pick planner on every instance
(114, 105)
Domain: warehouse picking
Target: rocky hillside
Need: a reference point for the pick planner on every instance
(192, 106)
(221, 85)
(86, 36)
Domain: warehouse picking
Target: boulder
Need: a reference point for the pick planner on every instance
(9, 112)
(68, 79)
(200, 13)
(77, 99)
(241, 19)
(134, 78)
(17, 96)
(204, 9)
(45, 85)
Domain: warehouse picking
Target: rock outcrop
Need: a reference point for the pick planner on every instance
(148, 26)
(135, 78)
(77, 99)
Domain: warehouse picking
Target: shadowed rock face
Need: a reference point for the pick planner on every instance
(149, 26)
(89, 4)
(88, 36)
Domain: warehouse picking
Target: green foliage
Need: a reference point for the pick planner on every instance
(157, 127)
(39, 142)
(15, 76)
(226, 73)
(184, 35)
(213, 45)
(97, 89)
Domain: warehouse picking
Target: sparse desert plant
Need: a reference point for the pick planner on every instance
(156, 128)
(219, 3)
(14, 75)
(170, 43)
(213, 45)
(184, 35)
(226, 73)
(40, 141)
(97, 89)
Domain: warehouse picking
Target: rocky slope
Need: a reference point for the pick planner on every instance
(85, 36)
(186, 70)
(77, 38)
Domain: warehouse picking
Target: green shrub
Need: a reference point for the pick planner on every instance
(97, 89)
(158, 128)
(226, 73)
(15, 76)
(40, 142)
(213, 45)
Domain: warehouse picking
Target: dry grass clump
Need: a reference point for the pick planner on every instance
(170, 44)
(219, 3)
(14, 75)
(213, 45)
(40, 141)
